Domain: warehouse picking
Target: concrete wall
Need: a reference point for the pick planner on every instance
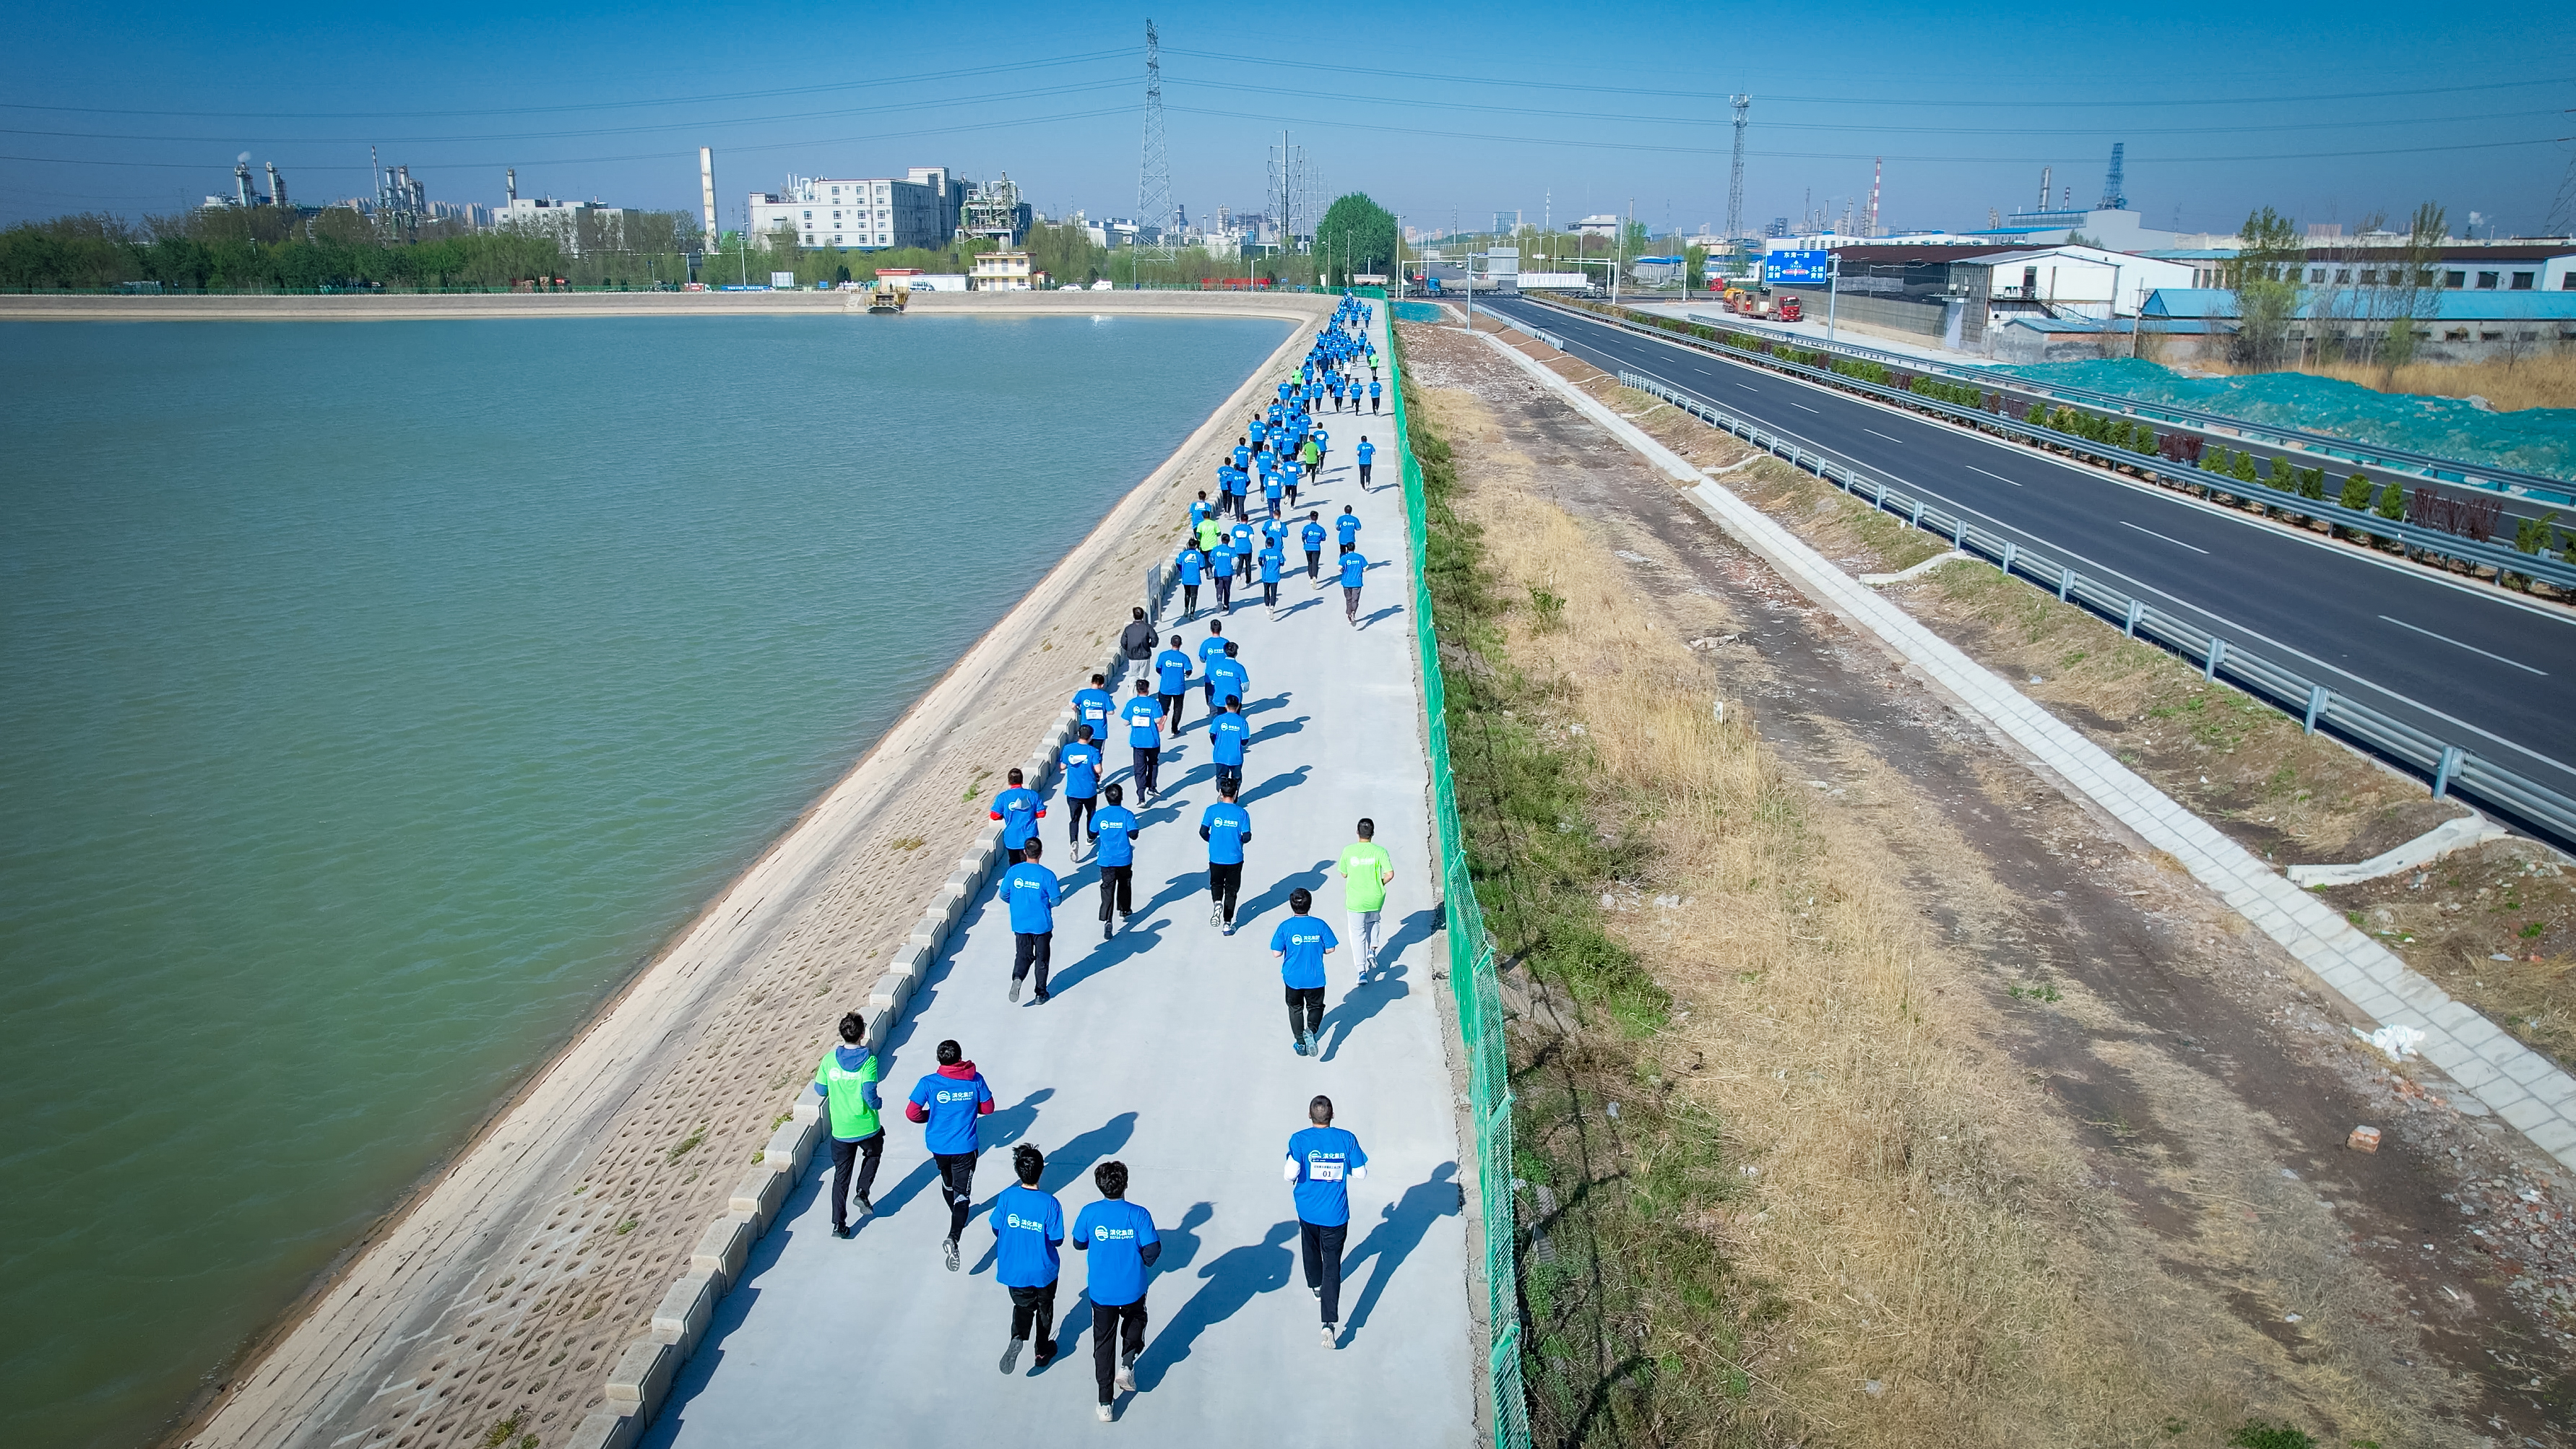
(1909, 319)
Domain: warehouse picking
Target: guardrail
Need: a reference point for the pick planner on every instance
(2452, 768)
(2398, 462)
(2412, 538)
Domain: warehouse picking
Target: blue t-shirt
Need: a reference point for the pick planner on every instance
(1227, 827)
(1226, 734)
(1144, 722)
(1271, 560)
(1305, 939)
(1027, 1225)
(1243, 538)
(1324, 1158)
(1094, 707)
(1019, 808)
(1211, 649)
(1367, 450)
(1172, 671)
(1348, 526)
(1222, 560)
(1201, 508)
(1033, 893)
(1115, 830)
(1081, 770)
(1273, 529)
(1313, 536)
(1228, 679)
(1373, 387)
(953, 1104)
(1242, 457)
(1115, 1234)
(1191, 564)
(1354, 569)
(1271, 487)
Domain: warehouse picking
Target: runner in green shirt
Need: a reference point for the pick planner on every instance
(846, 1079)
(1365, 870)
(1211, 533)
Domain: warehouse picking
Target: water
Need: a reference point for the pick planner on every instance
(374, 696)
(2531, 440)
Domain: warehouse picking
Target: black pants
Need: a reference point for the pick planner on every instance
(1270, 592)
(1172, 711)
(1225, 591)
(1350, 602)
(1017, 853)
(1372, 402)
(1323, 1253)
(1076, 808)
(1149, 762)
(1305, 1011)
(863, 1154)
(1031, 948)
(1224, 883)
(1364, 472)
(1229, 775)
(1117, 887)
(1274, 507)
(1189, 598)
(957, 1185)
(1034, 1308)
(1292, 495)
(1243, 568)
(1341, 549)
(1117, 1330)
(1314, 562)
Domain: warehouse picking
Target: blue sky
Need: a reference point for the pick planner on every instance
(2327, 112)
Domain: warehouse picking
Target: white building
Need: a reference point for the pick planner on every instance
(862, 214)
(574, 225)
(2067, 281)
(1605, 225)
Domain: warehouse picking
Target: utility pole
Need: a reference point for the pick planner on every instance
(1833, 289)
(1154, 179)
(1735, 177)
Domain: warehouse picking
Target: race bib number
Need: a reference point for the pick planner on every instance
(1324, 1170)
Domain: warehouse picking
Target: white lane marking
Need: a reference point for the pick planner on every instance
(1875, 433)
(2472, 648)
(1998, 477)
(1804, 408)
(1748, 387)
(2167, 537)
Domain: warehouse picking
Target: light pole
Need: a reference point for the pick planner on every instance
(1833, 289)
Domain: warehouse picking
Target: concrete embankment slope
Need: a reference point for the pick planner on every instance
(484, 306)
(502, 1290)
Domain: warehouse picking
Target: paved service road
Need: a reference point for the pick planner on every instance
(1168, 1049)
(2489, 673)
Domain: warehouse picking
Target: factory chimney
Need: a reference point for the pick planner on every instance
(707, 190)
(2043, 187)
(510, 184)
(241, 182)
(1877, 169)
(276, 186)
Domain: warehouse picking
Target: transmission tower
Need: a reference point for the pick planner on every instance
(1154, 183)
(1735, 174)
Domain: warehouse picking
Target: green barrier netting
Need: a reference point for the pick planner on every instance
(1471, 975)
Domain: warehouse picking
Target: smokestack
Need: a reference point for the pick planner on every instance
(1877, 169)
(276, 186)
(2043, 187)
(241, 181)
(510, 184)
(707, 190)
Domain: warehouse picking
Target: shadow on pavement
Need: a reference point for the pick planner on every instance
(1234, 1278)
(1129, 943)
(1273, 731)
(736, 1306)
(1361, 1003)
(1420, 926)
(1274, 785)
(1400, 1229)
(1276, 894)
(1066, 1165)
(1389, 612)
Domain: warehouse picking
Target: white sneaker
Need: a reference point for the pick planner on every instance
(1015, 989)
(1332, 1337)
(1126, 1379)
(1104, 1413)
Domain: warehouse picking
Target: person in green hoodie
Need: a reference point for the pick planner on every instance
(846, 1080)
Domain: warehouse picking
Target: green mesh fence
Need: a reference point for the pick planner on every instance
(1471, 977)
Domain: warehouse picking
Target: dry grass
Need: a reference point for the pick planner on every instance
(2543, 380)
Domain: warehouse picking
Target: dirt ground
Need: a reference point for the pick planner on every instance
(2180, 1087)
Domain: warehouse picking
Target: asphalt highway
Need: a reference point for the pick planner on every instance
(2491, 674)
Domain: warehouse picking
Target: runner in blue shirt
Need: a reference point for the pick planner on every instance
(1019, 808)
(1081, 780)
(1271, 561)
(1274, 531)
(1323, 1162)
(1323, 449)
(1241, 538)
(1113, 848)
(1333, 385)
(1373, 384)
(1301, 943)
(1227, 677)
(1354, 573)
(1226, 828)
(1292, 478)
(1211, 649)
(1119, 1238)
(1028, 1227)
(1033, 893)
(1367, 451)
(1312, 536)
(1228, 732)
(1271, 489)
(950, 1101)
(1203, 508)
(1243, 454)
(1221, 573)
(1144, 715)
(1094, 706)
(1172, 679)
(1348, 527)
(1191, 565)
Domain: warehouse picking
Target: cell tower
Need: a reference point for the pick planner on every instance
(2113, 184)
(1735, 174)
(1154, 183)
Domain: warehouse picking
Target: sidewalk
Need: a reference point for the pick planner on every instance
(1166, 1048)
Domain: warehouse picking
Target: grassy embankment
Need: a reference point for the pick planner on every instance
(1777, 1194)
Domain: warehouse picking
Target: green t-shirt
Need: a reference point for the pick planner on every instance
(1210, 532)
(1365, 868)
(846, 1091)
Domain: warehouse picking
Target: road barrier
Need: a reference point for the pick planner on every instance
(2452, 768)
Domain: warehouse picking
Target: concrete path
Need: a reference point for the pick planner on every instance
(1166, 1048)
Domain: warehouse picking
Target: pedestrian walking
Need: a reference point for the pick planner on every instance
(846, 1079)
(1028, 1228)
(1019, 808)
(1228, 731)
(1033, 892)
(1301, 943)
(1081, 761)
(1171, 681)
(1226, 828)
(1347, 529)
(1136, 641)
(1144, 716)
(1323, 1162)
(1113, 849)
(1312, 536)
(1367, 451)
(1119, 1239)
(949, 1103)
(1354, 573)
(1365, 869)
(1191, 565)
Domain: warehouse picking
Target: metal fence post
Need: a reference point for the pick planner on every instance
(2065, 580)
(1958, 532)
(2137, 611)
(2009, 550)
(2318, 694)
(2442, 772)
(2217, 652)
(1917, 520)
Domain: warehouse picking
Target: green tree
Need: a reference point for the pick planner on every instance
(2392, 503)
(2265, 278)
(2356, 492)
(2424, 234)
(1356, 235)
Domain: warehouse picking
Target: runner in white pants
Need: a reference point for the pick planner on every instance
(1365, 870)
